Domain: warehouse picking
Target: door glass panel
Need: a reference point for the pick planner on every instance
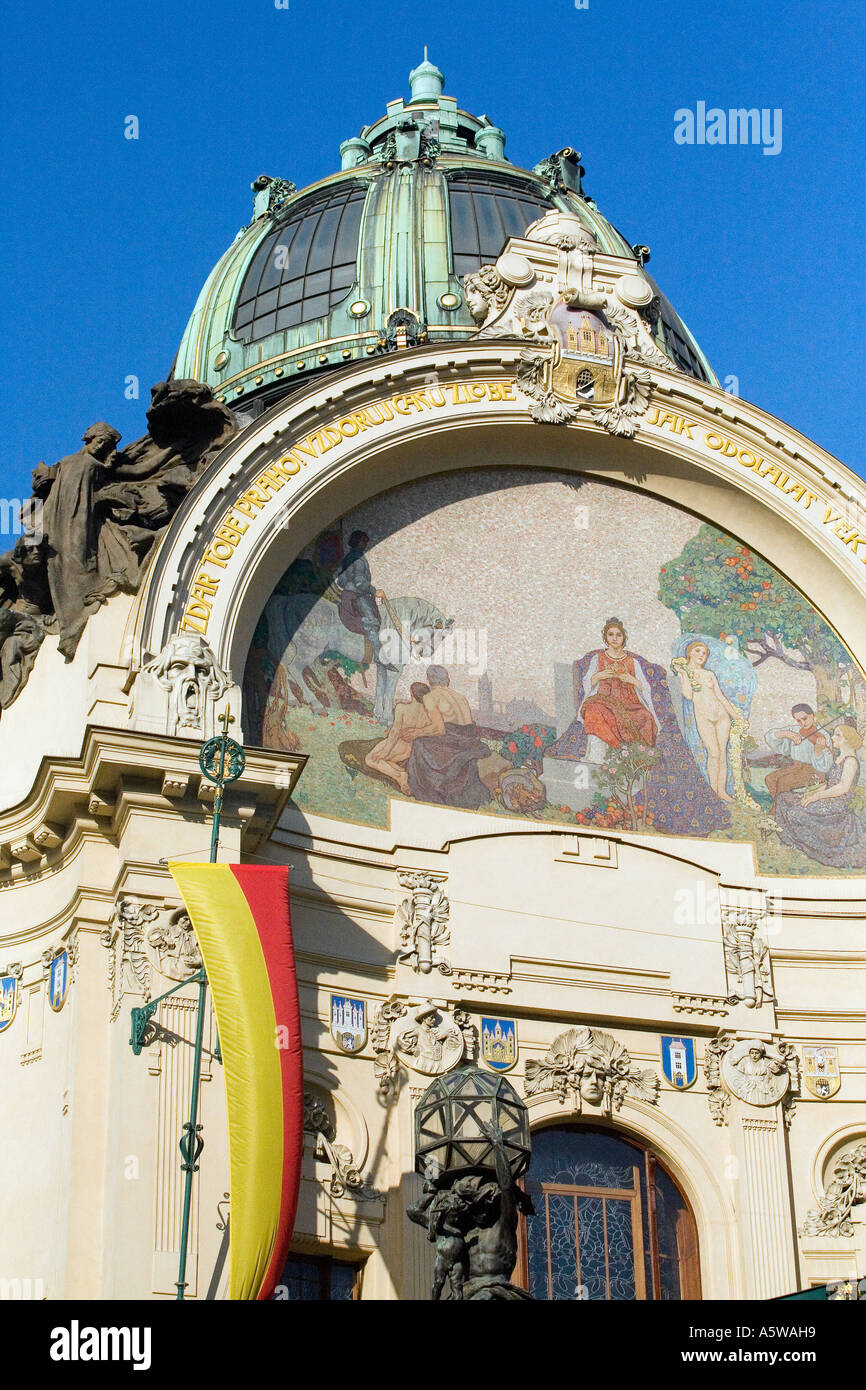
(609, 1223)
(620, 1250)
(560, 1215)
(590, 1215)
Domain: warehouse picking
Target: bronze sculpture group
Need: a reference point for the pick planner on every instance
(94, 519)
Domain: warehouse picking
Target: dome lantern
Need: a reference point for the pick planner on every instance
(426, 82)
(424, 196)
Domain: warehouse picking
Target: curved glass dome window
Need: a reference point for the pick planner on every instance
(304, 267)
(676, 341)
(485, 212)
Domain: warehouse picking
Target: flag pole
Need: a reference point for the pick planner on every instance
(222, 761)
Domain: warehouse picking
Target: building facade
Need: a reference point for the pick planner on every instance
(547, 658)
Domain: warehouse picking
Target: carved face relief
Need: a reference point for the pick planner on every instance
(591, 1088)
(476, 301)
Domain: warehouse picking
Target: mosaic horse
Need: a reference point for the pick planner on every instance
(301, 630)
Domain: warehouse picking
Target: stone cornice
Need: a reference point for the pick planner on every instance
(119, 771)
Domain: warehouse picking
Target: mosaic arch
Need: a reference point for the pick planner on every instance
(528, 643)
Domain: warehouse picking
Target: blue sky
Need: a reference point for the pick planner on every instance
(109, 240)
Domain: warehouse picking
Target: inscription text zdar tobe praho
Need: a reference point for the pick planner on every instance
(228, 534)
(221, 546)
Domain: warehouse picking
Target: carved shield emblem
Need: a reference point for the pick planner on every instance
(8, 1000)
(821, 1070)
(58, 980)
(499, 1042)
(348, 1022)
(587, 363)
(678, 1062)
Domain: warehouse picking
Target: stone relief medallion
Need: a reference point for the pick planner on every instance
(756, 1072)
(172, 948)
(428, 1038)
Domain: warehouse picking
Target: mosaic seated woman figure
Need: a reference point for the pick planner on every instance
(621, 698)
(618, 707)
(822, 822)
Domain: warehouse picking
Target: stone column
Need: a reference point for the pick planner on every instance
(764, 1199)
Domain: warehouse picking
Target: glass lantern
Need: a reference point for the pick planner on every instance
(449, 1116)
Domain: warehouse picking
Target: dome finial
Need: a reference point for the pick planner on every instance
(426, 82)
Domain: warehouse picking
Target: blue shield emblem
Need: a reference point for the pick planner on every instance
(8, 1000)
(678, 1062)
(499, 1042)
(58, 980)
(348, 1022)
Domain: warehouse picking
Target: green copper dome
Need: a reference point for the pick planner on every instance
(372, 258)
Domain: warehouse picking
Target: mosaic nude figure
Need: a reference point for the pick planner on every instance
(392, 753)
(714, 713)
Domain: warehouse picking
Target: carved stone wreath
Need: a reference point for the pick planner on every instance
(847, 1188)
(345, 1174)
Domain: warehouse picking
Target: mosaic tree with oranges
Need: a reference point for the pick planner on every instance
(723, 589)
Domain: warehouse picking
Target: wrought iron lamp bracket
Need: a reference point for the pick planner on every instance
(141, 1017)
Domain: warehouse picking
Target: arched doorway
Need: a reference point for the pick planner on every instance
(610, 1223)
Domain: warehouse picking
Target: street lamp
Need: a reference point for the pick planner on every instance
(472, 1143)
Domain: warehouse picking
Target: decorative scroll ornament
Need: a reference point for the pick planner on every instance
(423, 921)
(427, 1038)
(345, 1174)
(183, 685)
(276, 193)
(562, 169)
(718, 1097)
(129, 970)
(595, 1068)
(747, 957)
(846, 1188)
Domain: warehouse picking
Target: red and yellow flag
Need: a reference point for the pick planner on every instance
(241, 918)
